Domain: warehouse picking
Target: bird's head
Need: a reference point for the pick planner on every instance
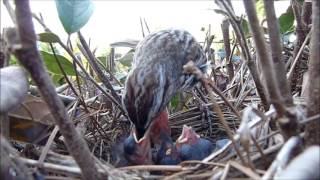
(191, 146)
(145, 98)
(157, 74)
(137, 151)
(167, 153)
(188, 136)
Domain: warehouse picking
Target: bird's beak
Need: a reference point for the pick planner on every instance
(187, 135)
(142, 154)
(143, 142)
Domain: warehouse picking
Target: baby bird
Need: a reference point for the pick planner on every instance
(191, 147)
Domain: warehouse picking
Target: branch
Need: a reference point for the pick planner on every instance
(74, 58)
(30, 58)
(276, 50)
(313, 128)
(226, 40)
(301, 33)
(245, 49)
(264, 57)
(288, 126)
(10, 11)
(190, 68)
(93, 63)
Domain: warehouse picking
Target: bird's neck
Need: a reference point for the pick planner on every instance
(160, 127)
(161, 123)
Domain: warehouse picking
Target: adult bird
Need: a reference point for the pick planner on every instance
(156, 76)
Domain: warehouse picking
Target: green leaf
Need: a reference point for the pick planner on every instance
(102, 59)
(286, 21)
(121, 76)
(260, 10)
(175, 101)
(52, 65)
(48, 37)
(74, 14)
(57, 79)
(13, 60)
(245, 27)
(127, 59)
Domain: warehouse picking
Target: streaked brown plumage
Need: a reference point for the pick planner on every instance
(157, 74)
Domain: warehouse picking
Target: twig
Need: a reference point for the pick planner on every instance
(110, 73)
(226, 40)
(290, 73)
(184, 163)
(11, 166)
(66, 170)
(289, 125)
(80, 65)
(244, 46)
(245, 170)
(236, 137)
(192, 69)
(81, 99)
(48, 144)
(146, 24)
(155, 168)
(295, 61)
(313, 129)
(142, 30)
(283, 157)
(301, 30)
(225, 172)
(310, 119)
(259, 149)
(264, 57)
(10, 11)
(62, 70)
(233, 109)
(276, 50)
(96, 68)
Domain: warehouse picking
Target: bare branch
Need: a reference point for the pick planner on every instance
(226, 40)
(245, 49)
(264, 57)
(288, 125)
(313, 128)
(30, 58)
(276, 50)
(92, 61)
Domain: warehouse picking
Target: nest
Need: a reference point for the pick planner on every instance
(103, 143)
